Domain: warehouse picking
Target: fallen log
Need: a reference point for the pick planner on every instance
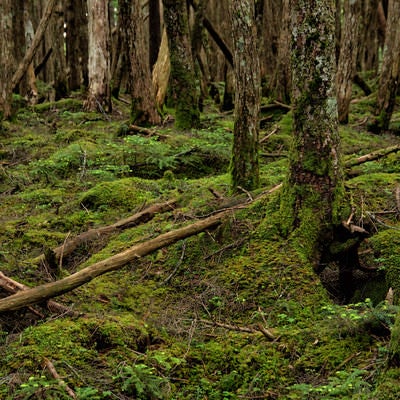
(375, 155)
(49, 290)
(92, 234)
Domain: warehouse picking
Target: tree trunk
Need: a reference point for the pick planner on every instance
(182, 82)
(36, 41)
(244, 165)
(76, 43)
(99, 92)
(143, 109)
(56, 66)
(368, 58)
(281, 81)
(154, 31)
(348, 58)
(312, 191)
(6, 60)
(389, 78)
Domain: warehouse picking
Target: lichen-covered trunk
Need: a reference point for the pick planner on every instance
(99, 92)
(390, 73)
(348, 57)
(311, 192)
(144, 109)
(183, 90)
(6, 59)
(244, 164)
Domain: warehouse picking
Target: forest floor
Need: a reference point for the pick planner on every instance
(230, 313)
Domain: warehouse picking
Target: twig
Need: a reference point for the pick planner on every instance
(228, 246)
(266, 137)
(215, 193)
(178, 264)
(398, 197)
(247, 192)
(260, 329)
(50, 366)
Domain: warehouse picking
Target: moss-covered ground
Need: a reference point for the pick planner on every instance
(187, 321)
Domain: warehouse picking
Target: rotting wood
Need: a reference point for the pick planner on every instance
(375, 155)
(12, 286)
(141, 217)
(53, 289)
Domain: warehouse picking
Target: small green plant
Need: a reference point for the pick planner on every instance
(141, 381)
(343, 385)
(40, 387)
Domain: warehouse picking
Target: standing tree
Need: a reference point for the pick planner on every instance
(76, 43)
(99, 92)
(348, 57)
(389, 79)
(183, 90)
(155, 33)
(281, 80)
(244, 165)
(313, 188)
(6, 61)
(144, 110)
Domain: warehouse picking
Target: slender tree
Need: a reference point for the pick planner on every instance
(348, 57)
(244, 165)
(389, 78)
(312, 191)
(99, 92)
(6, 60)
(183, 90)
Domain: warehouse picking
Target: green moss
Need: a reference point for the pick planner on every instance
(127, 193)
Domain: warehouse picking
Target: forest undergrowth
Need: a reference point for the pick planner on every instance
(230, 313)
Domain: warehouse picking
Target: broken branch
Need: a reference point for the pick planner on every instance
(143, 216)
(53, 289)
(375, 155)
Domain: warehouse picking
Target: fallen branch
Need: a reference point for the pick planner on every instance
(260, 329)
(50, 366)
(53, 289)
(143, 216)
(145, 131)
(12, 286)
(375, 155)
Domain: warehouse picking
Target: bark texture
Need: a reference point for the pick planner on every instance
(244, 165)
(76, 43)
(389, 78)
(143, 110)
(183, 90)
(6, 60)
(348, 57)
(281, 81)
(311, 191)
(99, 92)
